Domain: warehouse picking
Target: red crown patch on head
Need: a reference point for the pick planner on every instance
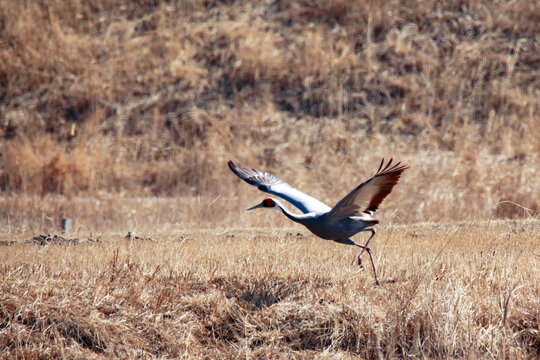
(268, 202)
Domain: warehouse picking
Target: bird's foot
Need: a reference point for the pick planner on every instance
(360, 263)
(360, 256)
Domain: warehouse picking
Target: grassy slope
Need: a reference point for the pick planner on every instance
(153, 97)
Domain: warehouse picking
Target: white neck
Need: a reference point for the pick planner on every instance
(299, 218)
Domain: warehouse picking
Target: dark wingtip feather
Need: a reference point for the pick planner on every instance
(383, 169)
(380, 166)
(388, 165)
(243, 173)
(394, 174)
(233, 168)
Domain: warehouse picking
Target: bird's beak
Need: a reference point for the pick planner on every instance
(255, 207)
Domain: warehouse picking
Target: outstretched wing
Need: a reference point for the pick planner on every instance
(366, 197)
(273, 185)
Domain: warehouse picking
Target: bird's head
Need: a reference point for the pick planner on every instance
(266, 203)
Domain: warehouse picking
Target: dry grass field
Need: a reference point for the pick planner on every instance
(448, 291)
(121, 115)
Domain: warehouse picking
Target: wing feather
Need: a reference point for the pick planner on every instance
(273, 185)
(365, 199)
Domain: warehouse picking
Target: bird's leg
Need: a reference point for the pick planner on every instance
(365, 248)
(372, 262)
(358, 260)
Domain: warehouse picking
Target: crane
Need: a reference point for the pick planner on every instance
(351, 215)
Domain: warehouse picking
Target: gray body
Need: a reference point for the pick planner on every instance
(336, 230)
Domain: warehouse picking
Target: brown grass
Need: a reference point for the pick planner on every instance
(122, 116)
(462, 290)
(152, 98)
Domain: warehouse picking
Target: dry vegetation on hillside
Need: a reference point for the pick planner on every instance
(152, 97)
(122, 115)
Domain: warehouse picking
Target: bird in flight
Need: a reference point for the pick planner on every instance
(351, 215)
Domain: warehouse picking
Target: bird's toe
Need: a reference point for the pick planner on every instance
(360, 263)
